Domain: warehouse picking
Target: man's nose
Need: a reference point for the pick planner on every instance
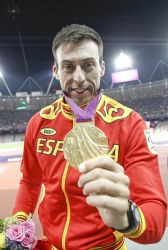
(78, 75)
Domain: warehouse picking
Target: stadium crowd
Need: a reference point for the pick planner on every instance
(149, 100)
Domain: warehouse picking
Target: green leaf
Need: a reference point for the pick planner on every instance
(1, 225)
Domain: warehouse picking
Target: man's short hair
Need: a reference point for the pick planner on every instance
(75, 33)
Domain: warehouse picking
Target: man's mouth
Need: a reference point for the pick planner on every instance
(79, 91)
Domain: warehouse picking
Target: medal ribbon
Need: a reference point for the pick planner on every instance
(86, 114)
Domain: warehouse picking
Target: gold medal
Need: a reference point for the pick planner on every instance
(85, 141)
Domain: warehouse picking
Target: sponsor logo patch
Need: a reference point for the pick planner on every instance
(48, 131)
(151, 146)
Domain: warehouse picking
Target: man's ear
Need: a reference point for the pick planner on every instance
(55, 71)
(102, 72)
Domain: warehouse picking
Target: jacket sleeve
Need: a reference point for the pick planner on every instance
(146, 189)
(30, 184)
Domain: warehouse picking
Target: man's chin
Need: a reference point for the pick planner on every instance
(83, 101)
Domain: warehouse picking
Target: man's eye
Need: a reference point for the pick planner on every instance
(68, 67)
(88, 66)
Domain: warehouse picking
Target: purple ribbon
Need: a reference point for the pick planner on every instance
(86, 114)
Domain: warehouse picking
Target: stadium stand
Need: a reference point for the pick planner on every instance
(149, 100)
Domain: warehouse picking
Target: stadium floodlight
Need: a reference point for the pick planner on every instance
(1, 75)
(5, 83)
(123, 61)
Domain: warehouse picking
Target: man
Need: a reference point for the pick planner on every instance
(104, 198)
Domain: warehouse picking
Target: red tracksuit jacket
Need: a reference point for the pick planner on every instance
(68, 222)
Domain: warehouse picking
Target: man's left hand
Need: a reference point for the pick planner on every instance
(107, 188)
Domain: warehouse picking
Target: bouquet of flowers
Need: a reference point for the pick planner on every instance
(16, 234)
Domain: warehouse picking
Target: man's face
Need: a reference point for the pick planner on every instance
(78, 70)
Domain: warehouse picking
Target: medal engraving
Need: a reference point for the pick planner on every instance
(84, 142)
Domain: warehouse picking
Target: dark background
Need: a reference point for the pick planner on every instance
(27, 27)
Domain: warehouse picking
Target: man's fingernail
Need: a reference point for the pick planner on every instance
(79, 185)
(82, 168)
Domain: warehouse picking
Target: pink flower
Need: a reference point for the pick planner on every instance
(29, 226)
(29, 240)
(16, 233)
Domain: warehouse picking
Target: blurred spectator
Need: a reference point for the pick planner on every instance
(149, 100)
